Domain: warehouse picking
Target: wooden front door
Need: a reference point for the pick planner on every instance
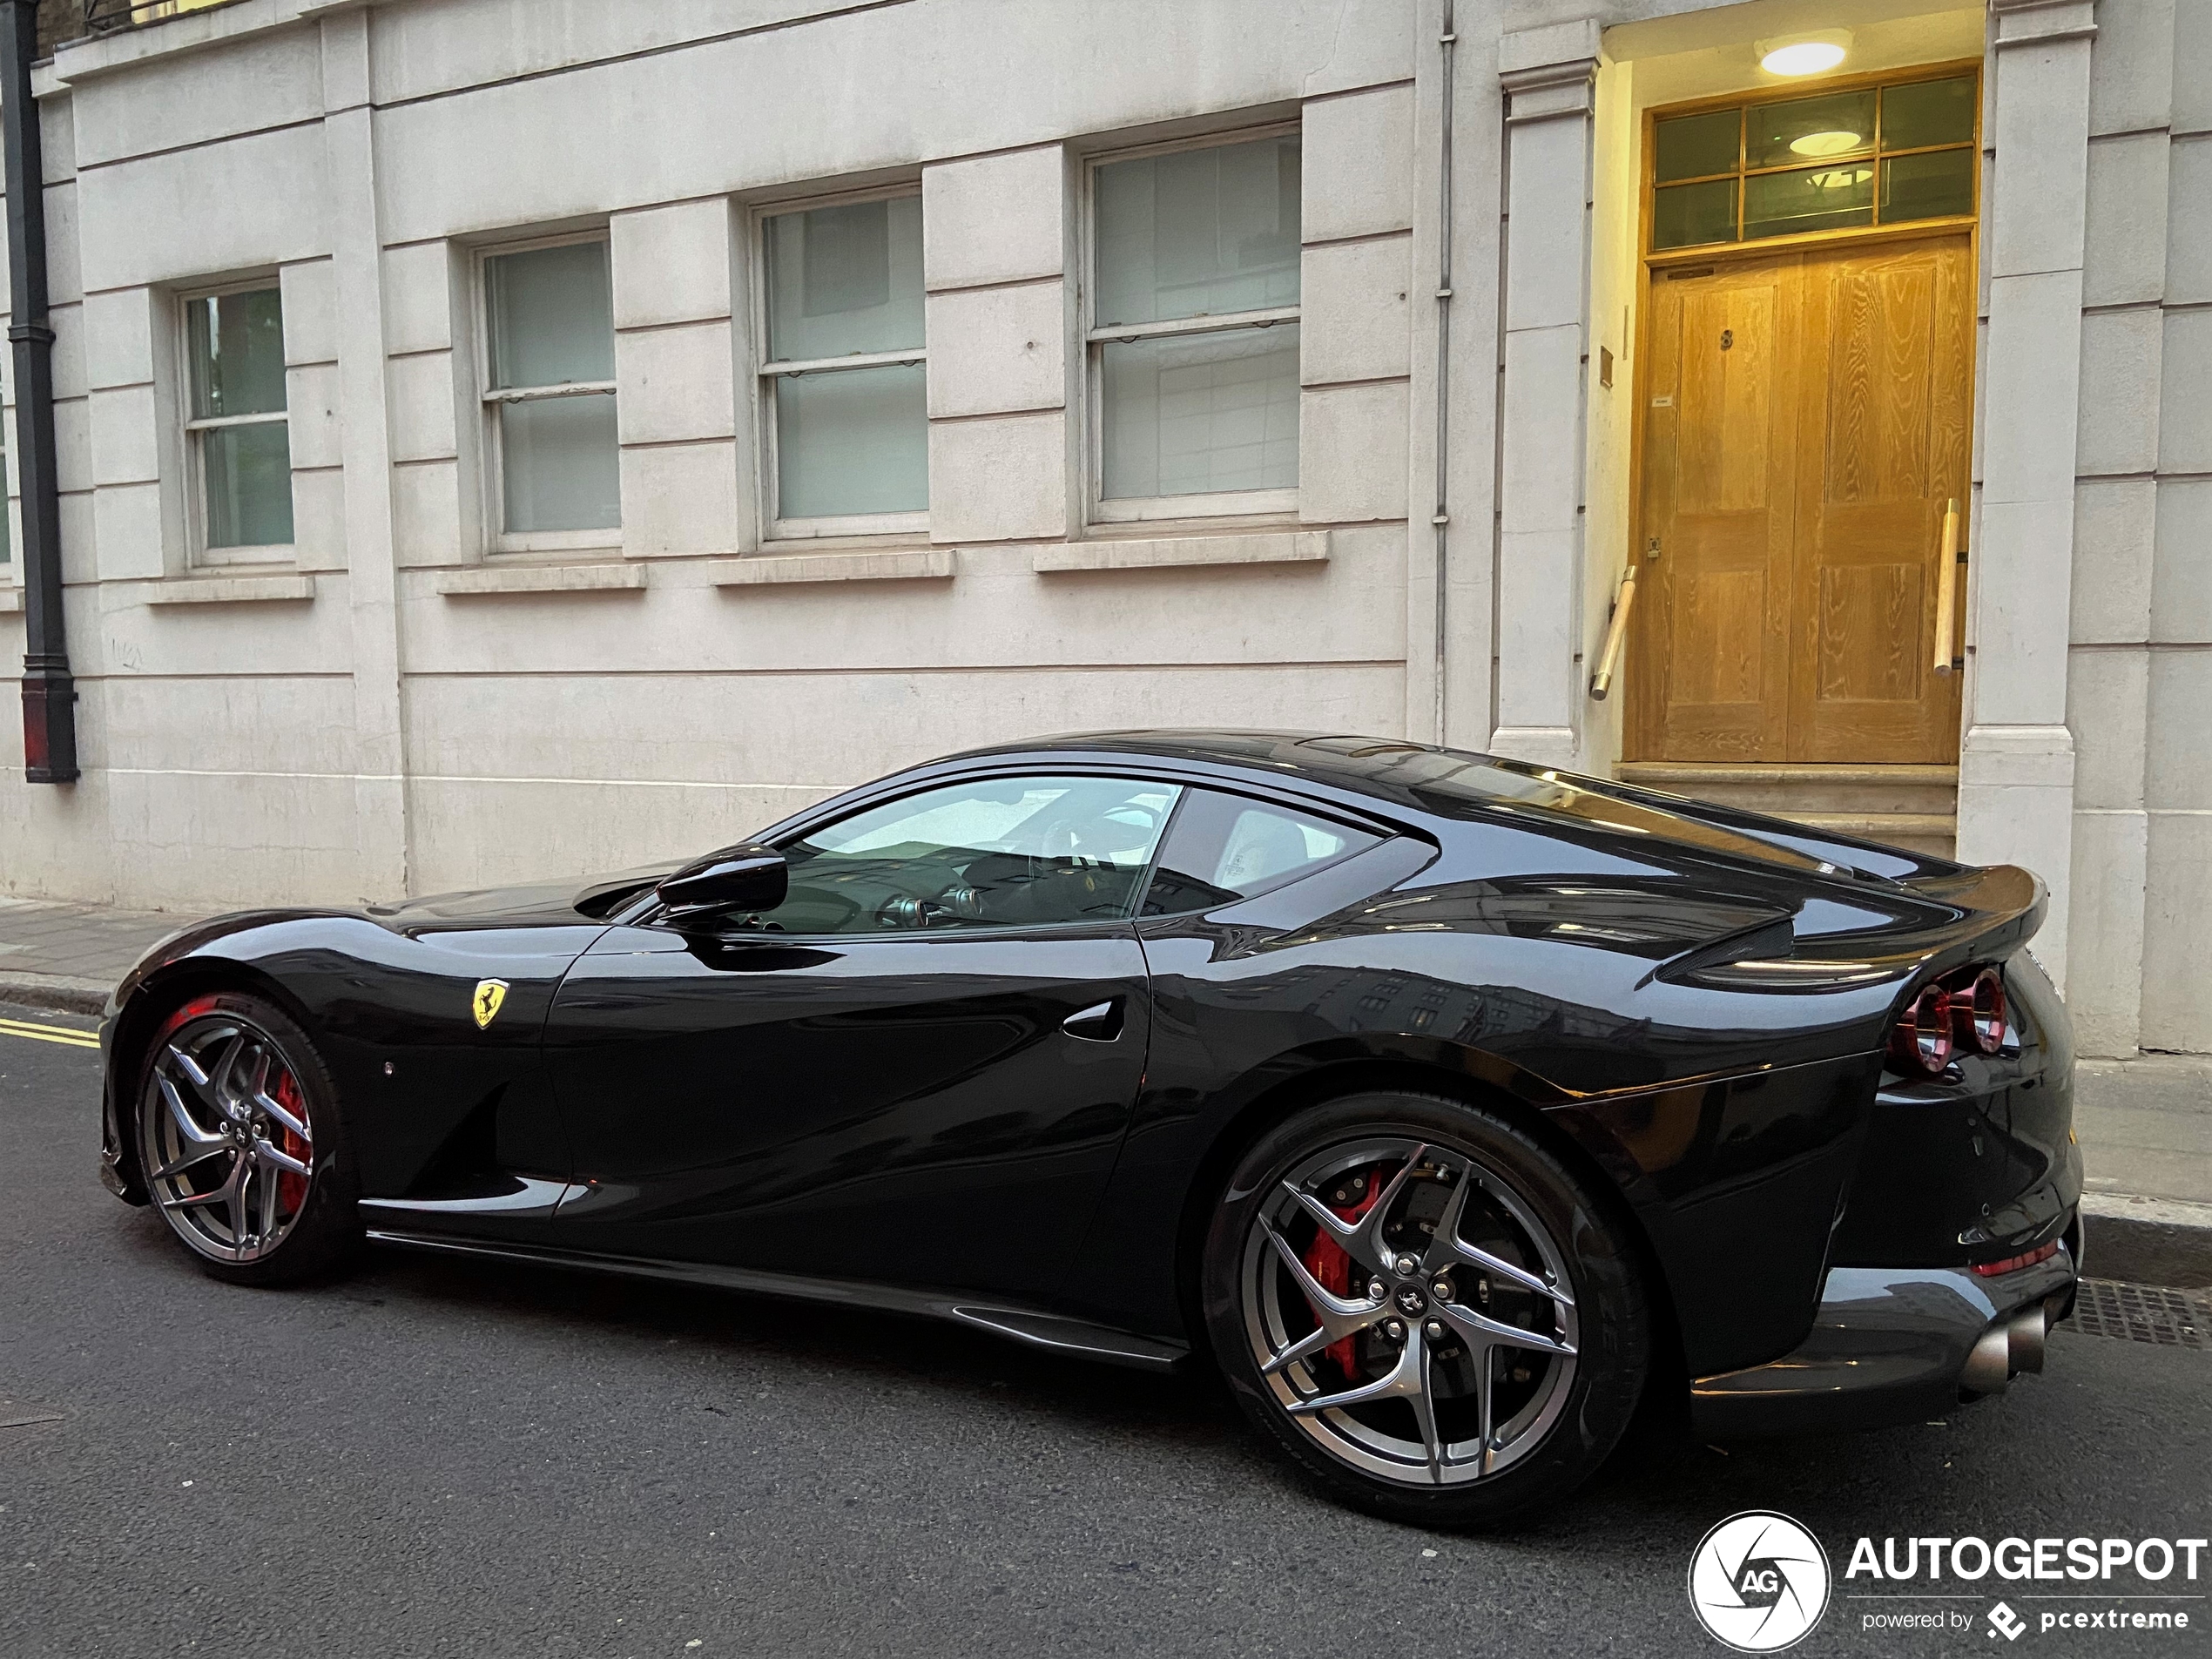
(1806, 419)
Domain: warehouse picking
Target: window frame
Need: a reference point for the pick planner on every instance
(1876, 229)
(774, 527)
(1261, 505)
(492, 403)
(201, 552)
(646, 910)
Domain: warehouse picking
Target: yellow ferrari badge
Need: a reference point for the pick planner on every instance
(490, 992)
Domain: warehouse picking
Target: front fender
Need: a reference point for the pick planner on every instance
(391, 1012)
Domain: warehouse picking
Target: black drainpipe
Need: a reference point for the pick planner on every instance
(49, 693)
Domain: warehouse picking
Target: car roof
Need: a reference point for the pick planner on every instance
(1429, 783)
(1362, 765)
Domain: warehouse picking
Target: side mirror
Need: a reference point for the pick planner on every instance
(744, 877)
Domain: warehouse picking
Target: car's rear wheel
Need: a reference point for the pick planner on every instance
(241, 1143)
(1427, 1309)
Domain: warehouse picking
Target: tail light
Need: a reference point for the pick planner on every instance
(2013, 1264)
(1922, 1041)
(1980, 1011)
(1963, 1011)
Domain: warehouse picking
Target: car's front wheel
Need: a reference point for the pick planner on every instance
(240, 1143)
(1425, 1308)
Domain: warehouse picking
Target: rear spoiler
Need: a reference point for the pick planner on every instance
(1998, 907)
(1946, 920)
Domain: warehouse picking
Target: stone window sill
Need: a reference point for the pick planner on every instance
(230, 590)
(486, 580)
(921, 565)
(10, 601)
(1287, 547)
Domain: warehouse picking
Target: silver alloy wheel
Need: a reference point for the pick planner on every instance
(1459, 1311)
(225, 1138)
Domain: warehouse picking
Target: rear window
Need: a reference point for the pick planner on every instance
(1223, 847)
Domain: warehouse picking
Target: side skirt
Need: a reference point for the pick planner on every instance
(1029, 1325)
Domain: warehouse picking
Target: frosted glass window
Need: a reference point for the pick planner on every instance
(854, 442)
(844, 379)
(1207, 236)
(235, 422)
(1190, 414)
(248, 475)
(559, 467)
(550, 322)
(552, 316)
(1198, 232)
(844, 280)
(237, 354)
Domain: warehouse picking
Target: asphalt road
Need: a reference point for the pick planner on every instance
(441, 1458)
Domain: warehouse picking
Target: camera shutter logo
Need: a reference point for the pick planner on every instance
(1758, 1581)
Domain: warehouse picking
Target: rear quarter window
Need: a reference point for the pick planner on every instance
(1223, 847)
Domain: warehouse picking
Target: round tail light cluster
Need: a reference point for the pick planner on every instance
(1962, 1013)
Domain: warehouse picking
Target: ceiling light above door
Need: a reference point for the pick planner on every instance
(1813, 54)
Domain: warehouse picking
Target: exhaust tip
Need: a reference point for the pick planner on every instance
(2024, 1340)
(1989, 1364)
(2008, 1348)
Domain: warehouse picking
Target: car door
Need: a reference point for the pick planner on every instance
(917, 1069)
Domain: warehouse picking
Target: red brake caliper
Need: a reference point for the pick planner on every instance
(292, 1190)
(1331, 1268)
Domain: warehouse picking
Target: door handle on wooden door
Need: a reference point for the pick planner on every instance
(1947, 590)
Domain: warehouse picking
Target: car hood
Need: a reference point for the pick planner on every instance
(535, 904)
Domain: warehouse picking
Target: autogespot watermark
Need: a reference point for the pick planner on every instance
(2144, 1584)
(1760, 1582)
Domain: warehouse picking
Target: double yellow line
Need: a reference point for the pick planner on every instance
(68, 1035)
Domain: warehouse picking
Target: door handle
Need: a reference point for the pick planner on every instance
(1947, 590)
(1101, 1022)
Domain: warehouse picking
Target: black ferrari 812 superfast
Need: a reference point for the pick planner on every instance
(1452, 1107)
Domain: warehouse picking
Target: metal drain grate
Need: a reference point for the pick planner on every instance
(2144, 1313)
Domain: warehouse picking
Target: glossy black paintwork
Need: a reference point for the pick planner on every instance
(1886, 1346)
(902, 1109)
(1690, 1002)
(1981, 1162)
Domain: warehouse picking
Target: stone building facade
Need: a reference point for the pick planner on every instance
(501, 437)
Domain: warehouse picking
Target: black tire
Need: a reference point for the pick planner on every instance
(1579, 1398)
(316, 1233)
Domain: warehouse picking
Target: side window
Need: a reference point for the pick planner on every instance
(987, 853)
(1225, 847)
